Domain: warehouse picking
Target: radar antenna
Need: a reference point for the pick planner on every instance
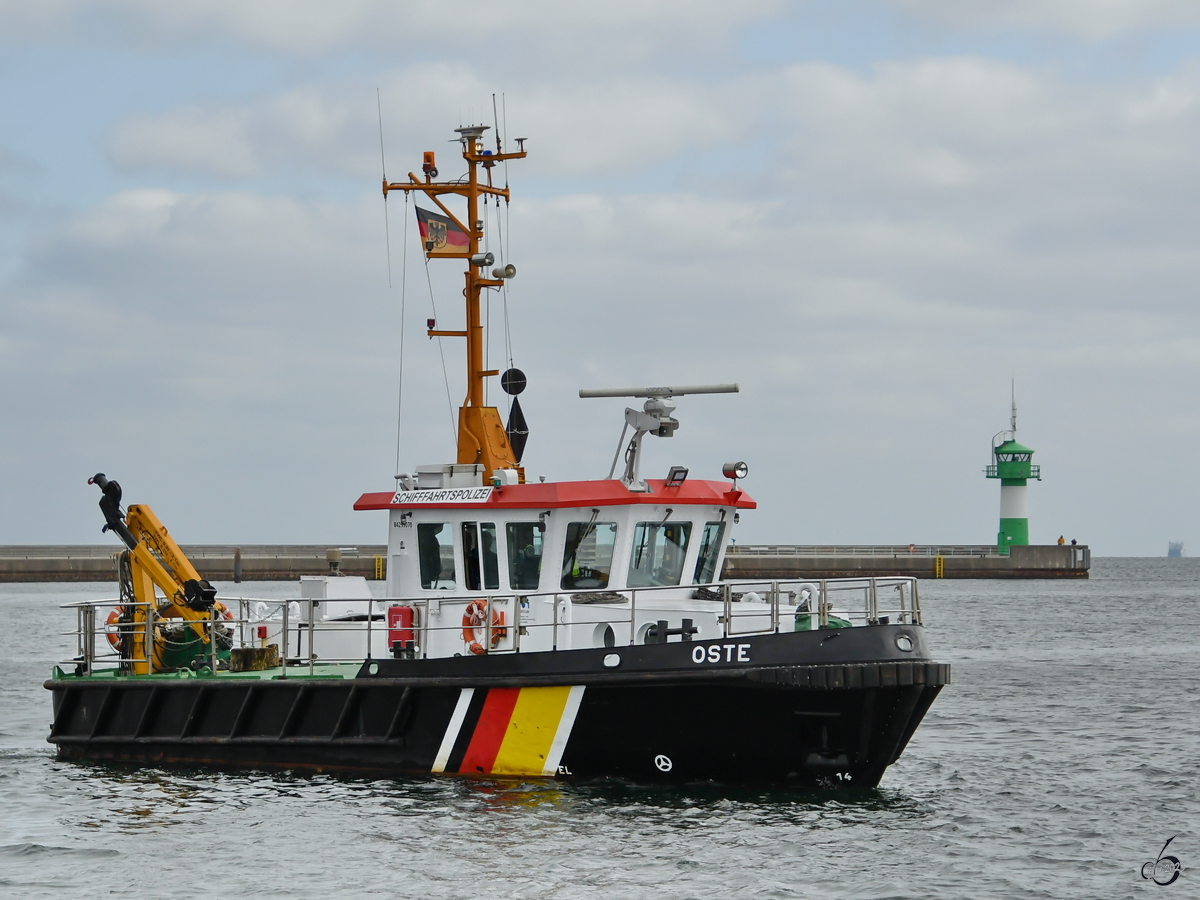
(654, 418)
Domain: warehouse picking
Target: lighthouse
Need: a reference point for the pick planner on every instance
(1013, 464)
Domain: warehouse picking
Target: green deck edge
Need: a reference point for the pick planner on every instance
(328, 672)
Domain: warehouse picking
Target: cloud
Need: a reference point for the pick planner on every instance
(1086, 19)
(996, 151)
(871, 253)
(614, 127)
(310, 27)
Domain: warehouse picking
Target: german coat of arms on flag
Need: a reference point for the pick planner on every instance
(440, 235)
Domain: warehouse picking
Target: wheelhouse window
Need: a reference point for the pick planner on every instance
(524, 555)
(587, 559)
(658, 552)
(710, 550)
(480, 556)
(435, 547)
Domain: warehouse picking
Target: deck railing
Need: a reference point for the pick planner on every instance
(745, 608)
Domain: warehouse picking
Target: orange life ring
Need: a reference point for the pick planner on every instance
(110, 627)
(223, 610)
(474, 622)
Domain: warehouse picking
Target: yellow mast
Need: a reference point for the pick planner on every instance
(481, 435)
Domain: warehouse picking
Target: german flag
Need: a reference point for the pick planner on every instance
(446, 237)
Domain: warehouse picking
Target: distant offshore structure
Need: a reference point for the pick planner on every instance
(1174, 549)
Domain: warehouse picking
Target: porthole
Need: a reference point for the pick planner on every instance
(904, 642)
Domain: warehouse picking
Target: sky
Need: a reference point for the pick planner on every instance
(875, 216)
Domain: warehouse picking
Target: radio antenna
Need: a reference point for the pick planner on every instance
(496, 122)
(387, 232)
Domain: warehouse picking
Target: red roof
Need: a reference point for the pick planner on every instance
(565, 494)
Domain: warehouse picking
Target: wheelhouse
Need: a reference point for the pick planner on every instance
(567, 536)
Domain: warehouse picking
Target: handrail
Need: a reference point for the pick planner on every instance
(746, 607)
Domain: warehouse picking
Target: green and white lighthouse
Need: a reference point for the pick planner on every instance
(1013, 464)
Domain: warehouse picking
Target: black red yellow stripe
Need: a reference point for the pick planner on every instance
(508, 731)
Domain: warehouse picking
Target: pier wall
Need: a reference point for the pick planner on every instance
(947, 561)
(216, 562)
(287, 562)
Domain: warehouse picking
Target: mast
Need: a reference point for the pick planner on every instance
(482, 438)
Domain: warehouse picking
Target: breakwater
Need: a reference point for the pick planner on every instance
(286, 562)
(917, 560)
(216, 562)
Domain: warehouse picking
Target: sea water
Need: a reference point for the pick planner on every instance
(1058, 763)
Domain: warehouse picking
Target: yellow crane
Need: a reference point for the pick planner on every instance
(153, 560)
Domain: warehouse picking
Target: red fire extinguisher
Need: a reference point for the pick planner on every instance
(401, 636)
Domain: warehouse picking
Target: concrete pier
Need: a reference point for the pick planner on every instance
(918, 560)
(287, 562)
(216, 562)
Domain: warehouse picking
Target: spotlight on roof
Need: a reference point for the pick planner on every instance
(735, 470)
(677, 476)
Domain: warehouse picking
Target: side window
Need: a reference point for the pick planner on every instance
(435, 547)
(587, 559)
(480, 556)
(491, 556)
(524, 555)
(658, 552)
(710, 549)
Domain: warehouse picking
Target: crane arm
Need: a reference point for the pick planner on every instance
(189, 596)
(154, 563)
(156, 560)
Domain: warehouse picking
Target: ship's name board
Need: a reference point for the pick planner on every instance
(442, 495)
(712, 653)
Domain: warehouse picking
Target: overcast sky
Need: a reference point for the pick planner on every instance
(872, 214)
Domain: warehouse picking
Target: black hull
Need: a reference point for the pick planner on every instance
(803, 709)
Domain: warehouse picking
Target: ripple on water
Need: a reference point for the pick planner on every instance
(44, 851)
(1059, 761)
